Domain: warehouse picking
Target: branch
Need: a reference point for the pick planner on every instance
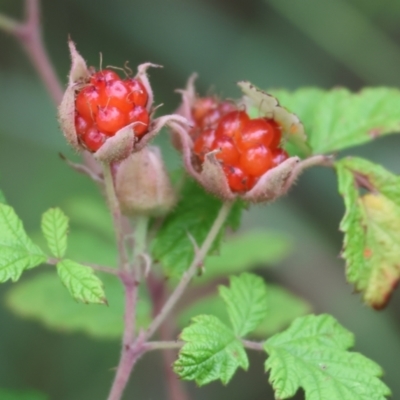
(188, 275)
(29, 35)
(252, 345)
(100, 268)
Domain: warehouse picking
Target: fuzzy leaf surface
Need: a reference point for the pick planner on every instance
(242, 252)
(81, 282)
(371, 227)
(211, 352)
(44, 299)
(194, 216)
(17, 251)
(337, 119)
(246, 302)
(55, 230)
(312, 354)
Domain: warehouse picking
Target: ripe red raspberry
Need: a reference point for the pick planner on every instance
(257, 132)
(88, 101)
(203, 143)
(238, 181)
(110, 119)
(228, 153)
(118, 95)
(101, 77)
(137, 93)
(81, 124)
(279, 156)
(256, 161)
(201, 107)
(93, 139)
(139, 114)
(232, 124)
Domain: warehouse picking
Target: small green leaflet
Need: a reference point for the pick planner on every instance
(312, 354)
(283, 308)
(81, 282)
(9, 394)
(17, 251)
(337, 119)
(211, 352)
(55, 230)
(192, 217)
(42, 298)
(372, 228)
(244, 251)
(246, 302)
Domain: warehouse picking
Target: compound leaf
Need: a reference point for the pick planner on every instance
(372, 227)
(337, 119)
(246, 302)
(312, 354)
(211, 352)
(81, 282)
(17, 251)
(55, 229)
(192, 217)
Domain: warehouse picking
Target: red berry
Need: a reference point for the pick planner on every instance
(103, 76)
(210, 119)
(202, 106)
(279, 156)
(278, 133)
(110, 119)
(117, 95)
(238, 181)
(81, 124)
(93, 139)
(256, 161)
(226, 107)
(228, 153)
(139, 114)
(87, 102)
(203, 143)
(232, 124)
(256, 132)
(137, 93)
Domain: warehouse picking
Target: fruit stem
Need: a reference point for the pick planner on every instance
(114, 207)
(192, 270)
(140, 242)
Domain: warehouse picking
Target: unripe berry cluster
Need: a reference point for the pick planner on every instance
(106, 105)
(247, 148)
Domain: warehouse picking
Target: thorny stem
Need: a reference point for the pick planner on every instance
(140, 237)
(29, 35)
(189, 274)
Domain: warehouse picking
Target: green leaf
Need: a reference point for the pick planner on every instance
(312, 354)
(55, 230)
(283, 308)
(194, 216)
(43, 298)
(9, 394)
(81, 282)
(17, 251)
(242, 252)
(211, 352)
(246, 302)
(337, 119)
(372, 227)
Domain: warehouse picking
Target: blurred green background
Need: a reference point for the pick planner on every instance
(273, 43)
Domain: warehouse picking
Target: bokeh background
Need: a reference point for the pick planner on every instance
(273, 43)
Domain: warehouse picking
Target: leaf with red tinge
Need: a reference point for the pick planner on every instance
(372, 228)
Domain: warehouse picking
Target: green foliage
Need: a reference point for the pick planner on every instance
(372, 227)
(211, 352)
(193, 216)
(283, 308)
(42, 298)
(312, 354)
(17, 251)
(246, 302)
(242, 252)
(2, 198)
(8, 394)
(337, 119)
(55, 230)
(81, 282)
